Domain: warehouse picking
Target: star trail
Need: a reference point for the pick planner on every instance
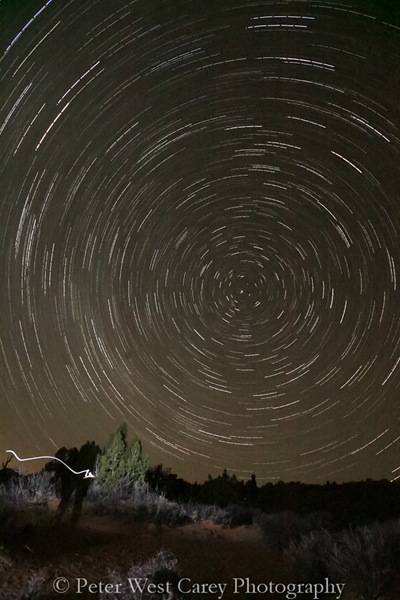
(200, 233)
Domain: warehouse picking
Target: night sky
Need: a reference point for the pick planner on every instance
(200, 233)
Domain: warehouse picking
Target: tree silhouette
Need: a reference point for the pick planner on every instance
(73, 488)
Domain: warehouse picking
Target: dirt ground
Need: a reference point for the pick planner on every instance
(102, 545)
(205, 553)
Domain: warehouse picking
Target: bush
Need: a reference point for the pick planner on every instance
(280, 529)
(169, 513)
(222, 517)
(239, 515)
(365, 559)
(308, 557)
(159, 570)
(201, 512)
(35, 487)
(31, 590)
(141, 502)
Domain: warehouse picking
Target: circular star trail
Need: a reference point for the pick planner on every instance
(199, 233)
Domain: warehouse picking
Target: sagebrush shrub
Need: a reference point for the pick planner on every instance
(365, 558)
(158, 570)
(279, 530)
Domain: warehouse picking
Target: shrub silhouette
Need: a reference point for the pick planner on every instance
(159, 570)
(366, 558)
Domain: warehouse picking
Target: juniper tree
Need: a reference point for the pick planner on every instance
(120, 465)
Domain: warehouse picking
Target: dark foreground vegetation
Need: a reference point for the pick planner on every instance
(349, 532)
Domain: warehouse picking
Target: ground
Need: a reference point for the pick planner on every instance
(206, 553)
(36, 552)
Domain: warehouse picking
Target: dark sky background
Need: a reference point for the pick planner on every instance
(200, 233)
